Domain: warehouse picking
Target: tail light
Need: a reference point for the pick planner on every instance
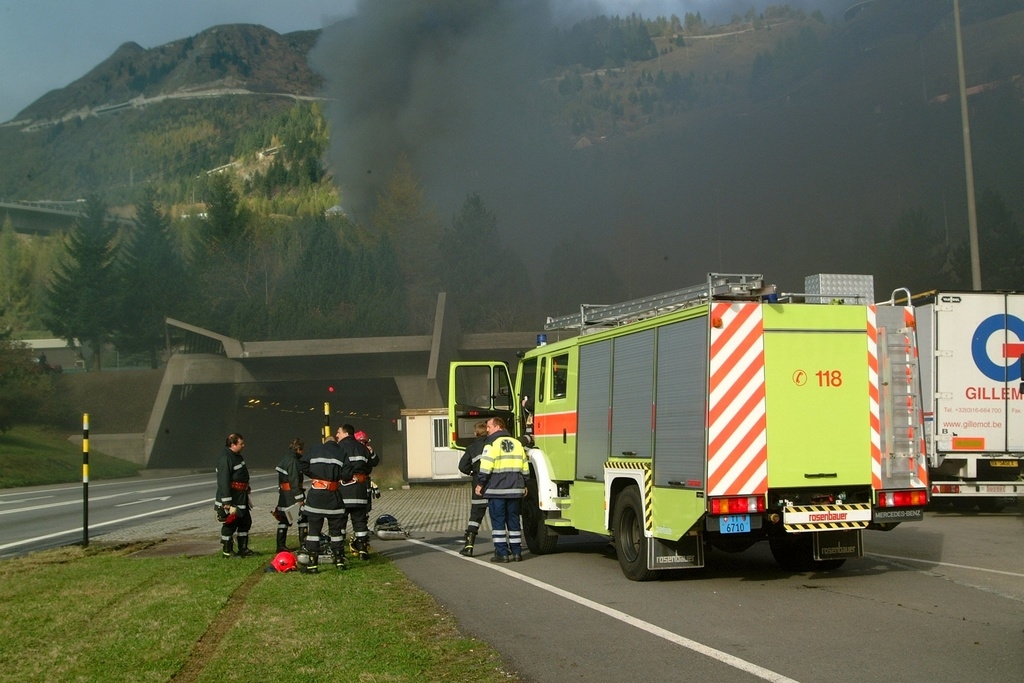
(903, 499)
(736, 506)
(945, 488)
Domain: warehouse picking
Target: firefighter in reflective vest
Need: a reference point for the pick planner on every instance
(325, 467)
(290, 493)
(469, 464)
(504, 473)
(232, 502)
(355, 489)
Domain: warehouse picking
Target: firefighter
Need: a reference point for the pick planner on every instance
(325, 467)
(469, 464)
(374, 492)
(504, 473)
(290, 492)
(360, 462)
(232, 502)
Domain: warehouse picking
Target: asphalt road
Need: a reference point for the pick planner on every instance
(41, 517)
(940, 600)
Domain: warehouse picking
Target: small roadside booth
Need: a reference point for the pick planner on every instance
(57, 354)
(427, 456)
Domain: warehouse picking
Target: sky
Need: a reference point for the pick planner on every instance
(47, 44)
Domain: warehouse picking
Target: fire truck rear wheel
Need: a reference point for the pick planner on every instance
(630, 542)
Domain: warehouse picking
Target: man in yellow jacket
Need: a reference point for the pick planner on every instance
(504, 473)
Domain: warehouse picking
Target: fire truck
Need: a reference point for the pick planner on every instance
(973, 398)
(714, 416)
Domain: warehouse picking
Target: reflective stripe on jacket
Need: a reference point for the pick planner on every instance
(504, 467)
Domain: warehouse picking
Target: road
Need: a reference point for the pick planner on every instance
(941, 600)
(49, 516)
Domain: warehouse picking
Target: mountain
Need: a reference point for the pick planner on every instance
(164, 116)
(235, 56)
(780, 139)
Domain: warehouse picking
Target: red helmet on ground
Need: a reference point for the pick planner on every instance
(284, 561)
(362, 437)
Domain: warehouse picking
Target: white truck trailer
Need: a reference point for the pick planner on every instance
(972, 350)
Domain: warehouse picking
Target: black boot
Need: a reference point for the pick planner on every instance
(467, 550)
(339, 556)
(303, 532)
(312, 567)
(282, 539)
(243, 547)
(228, 548)
(363, 548)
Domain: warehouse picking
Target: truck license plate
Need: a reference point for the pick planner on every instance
(1003, 463)
(735, 524)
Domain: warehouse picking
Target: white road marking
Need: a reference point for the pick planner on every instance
(718, 655)
(23, 500)
(144, 500)
(945, 564)
(114, 495)
(78, 530)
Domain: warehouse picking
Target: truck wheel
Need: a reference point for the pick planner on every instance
(963, 504)
(991, 504)
(795, 553)
(535, 532)
(630, 542)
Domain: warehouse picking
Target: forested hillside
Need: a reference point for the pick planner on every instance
(780, 142)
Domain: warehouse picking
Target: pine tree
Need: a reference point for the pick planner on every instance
(406, 218)
(152, 281)
(312, 302)
(80, 301)
(13, 278)
(488, 284)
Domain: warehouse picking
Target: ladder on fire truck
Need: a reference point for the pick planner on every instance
(594, 317)
(901, 424)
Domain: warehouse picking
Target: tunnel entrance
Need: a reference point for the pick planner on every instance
(271, 414)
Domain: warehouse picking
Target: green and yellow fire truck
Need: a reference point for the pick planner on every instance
(714, 416)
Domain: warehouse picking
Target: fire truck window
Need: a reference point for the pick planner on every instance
(473, 386)
(503, 393)
(559, 376)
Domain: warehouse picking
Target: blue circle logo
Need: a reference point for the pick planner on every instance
(999, 371)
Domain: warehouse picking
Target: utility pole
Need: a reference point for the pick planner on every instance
(972, 214)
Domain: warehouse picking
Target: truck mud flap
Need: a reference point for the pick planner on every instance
(686, 553)
(837, 545)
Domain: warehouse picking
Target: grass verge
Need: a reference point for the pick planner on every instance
(100, 614)
(35, 456)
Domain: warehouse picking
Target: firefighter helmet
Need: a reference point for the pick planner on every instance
(284, 561)
(362, 437)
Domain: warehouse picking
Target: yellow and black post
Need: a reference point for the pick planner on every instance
(327, 420)
(85, 479)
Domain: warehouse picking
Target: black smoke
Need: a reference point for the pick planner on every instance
(459, 88)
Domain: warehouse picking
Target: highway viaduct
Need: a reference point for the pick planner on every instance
(44, 217)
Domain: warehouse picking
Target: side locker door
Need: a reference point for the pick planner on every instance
(477, 391)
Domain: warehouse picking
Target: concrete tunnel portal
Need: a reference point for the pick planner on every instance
(272, 392)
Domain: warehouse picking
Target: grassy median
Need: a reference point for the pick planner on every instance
(101, 614)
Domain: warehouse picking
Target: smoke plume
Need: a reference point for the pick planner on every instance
(458, 88)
